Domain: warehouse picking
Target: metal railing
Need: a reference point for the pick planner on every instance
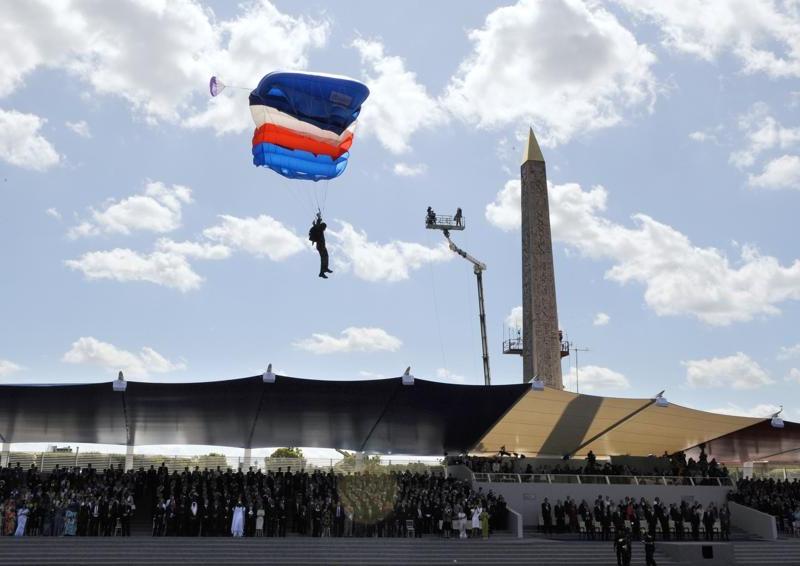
(47, 462)
(445, 221)
(577, 479)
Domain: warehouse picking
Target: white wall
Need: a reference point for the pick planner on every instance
(526, 498)
(752, 521)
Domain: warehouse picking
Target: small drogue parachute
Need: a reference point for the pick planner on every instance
(304, 122)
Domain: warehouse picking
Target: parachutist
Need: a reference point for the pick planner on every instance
(317, 235)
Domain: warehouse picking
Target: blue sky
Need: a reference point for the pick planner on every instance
(135, 234)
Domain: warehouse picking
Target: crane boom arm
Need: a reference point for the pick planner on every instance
(479, 265)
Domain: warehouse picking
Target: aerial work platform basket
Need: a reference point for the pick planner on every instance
(444, 222)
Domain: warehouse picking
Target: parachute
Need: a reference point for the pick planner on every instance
(304, 122)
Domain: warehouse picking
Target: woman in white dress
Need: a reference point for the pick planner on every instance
(260, 522)
(237, 524)
(22, 520)
(462, 522)
(476, 522)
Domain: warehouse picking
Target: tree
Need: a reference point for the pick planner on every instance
(290, 452)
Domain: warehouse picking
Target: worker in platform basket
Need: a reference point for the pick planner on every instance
(458, 216)
(430, 217)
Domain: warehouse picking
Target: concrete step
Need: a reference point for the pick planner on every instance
(147, 550)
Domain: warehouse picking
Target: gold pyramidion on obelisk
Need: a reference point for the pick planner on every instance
(532, 150)
(541, 344)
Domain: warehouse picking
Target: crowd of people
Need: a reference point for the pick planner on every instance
(676, 465)
(70, 502)
(778, 498)
(217, 503)
(604, 518)
(86, 502)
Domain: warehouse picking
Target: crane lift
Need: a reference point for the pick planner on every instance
(445, 224)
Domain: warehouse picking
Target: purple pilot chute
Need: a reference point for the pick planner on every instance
(215, 86)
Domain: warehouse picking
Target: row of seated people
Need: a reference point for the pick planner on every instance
(603, 518)
(778, 498)
(67, 502)
(217, 503)
(668, 465)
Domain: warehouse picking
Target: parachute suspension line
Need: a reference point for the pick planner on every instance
(436, 309)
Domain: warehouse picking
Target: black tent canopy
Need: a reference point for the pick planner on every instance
(381, 416)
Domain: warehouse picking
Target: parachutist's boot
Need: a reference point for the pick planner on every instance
(323, 275)
(329, 271)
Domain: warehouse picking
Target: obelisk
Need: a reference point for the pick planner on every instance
(541, 345)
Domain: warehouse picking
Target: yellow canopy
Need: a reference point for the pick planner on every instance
(555, 423)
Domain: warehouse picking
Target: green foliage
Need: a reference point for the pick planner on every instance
(289, 452)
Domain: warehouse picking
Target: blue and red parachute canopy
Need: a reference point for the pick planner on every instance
(305, 123)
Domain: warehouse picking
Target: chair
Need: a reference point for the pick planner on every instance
(410, 531)
(717, 529)
(118, 528)
(796, 528)
(582, 528)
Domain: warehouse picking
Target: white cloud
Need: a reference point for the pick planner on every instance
(505, 211)
(565, 65)
(243, 58)
(398, 105)
(789, 352)
(601, 319)
(21, 144)
(80, 127)
(763, 34)
(702, 137)
(158, 210)
(514, 318)
(680, 278)
(162, 268)
(447, 375)
(738, 371)
(764, 410)
(53, 213)
(352, 339)
(7, 368)
(90, 351)
(393, 261)
(409, 169)
(793, 375)
(595, 378)
(102, 43)
(195, 250)
(762, 133)
(780, 173)
(262, 236)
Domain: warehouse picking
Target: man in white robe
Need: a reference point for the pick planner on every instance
(22, 521)
(237, 524)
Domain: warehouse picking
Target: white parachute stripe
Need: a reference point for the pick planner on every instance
(263, 114)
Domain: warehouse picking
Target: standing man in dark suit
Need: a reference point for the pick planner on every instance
(547, 516)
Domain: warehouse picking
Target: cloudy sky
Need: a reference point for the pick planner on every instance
(135, 233)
